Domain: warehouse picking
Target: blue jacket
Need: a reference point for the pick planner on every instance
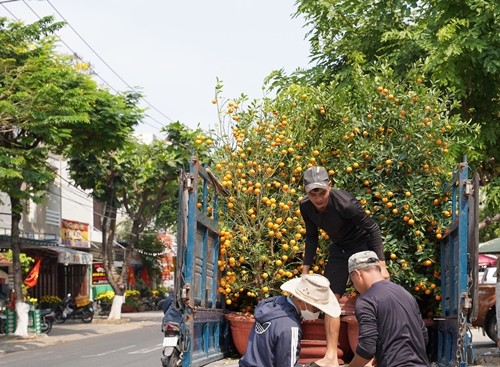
(275, 339)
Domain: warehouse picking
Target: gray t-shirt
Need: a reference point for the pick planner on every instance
(391, 328)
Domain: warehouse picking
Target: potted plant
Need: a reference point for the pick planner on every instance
(388, 142)
(49, 302)
(105, 297)
(132, 301)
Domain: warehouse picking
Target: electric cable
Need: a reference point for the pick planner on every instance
(94, 72)
(105, 63)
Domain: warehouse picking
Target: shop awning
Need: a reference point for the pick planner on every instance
(490, 247)
(65, 255)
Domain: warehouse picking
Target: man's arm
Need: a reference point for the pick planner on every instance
(311, 240)
(359, 361)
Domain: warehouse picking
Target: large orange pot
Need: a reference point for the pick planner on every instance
(313, 344)
(241, 326)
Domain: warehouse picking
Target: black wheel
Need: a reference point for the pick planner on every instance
(174, 360)
(58, 317)
(87, 316)
(490, 324)
(46, 325)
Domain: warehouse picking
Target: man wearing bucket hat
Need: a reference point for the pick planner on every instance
(349, 228)
(391, 328)
(275, 339)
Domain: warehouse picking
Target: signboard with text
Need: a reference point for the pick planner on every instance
(98, 274)
(75, 234)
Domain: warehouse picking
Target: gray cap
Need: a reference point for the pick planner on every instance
(361, 260)
(315, 178)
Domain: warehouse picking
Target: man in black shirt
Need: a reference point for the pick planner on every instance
(391, 328)
(349, 228)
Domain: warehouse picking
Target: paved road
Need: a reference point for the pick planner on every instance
(137, 347)
(485, 350)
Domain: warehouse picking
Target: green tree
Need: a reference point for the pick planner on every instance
(457, 43)
(143, 180)
(392, 144)
(92, 160)
(42, 97)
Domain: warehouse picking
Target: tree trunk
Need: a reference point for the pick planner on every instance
(131, 244)
(108, 254)
(15, 244)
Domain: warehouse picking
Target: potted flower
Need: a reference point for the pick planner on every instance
(105, 297)
(49, 302)
(371, 137)
(33, 303)
(131, 301)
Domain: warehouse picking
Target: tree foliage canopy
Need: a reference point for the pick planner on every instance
(457, 42)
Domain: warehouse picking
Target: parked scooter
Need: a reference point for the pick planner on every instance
(103, 309)
(172, 338)
(48, 317)
(68, 309)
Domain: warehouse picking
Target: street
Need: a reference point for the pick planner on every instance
(141, 346)
(135, 341)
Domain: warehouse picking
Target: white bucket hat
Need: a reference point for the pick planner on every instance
(315, 290)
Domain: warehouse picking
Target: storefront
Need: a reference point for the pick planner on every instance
(62, 270)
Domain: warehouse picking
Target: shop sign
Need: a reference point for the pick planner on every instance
(74, 258)
(98, 274)
(75, 234)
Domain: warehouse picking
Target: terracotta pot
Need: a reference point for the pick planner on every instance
(241, 326)
(314, 330)
(128, 308)
(313, 344)
(347, 304)
(352, 330)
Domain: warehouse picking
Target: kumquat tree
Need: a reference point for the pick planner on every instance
(392, 144)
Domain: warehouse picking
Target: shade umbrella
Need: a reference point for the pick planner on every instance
(490, 247)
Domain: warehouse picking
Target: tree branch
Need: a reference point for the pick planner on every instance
(489, 220)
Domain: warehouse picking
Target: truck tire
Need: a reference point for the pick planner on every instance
(490, 324)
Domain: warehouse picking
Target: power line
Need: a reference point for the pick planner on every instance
(160, 125)
(105, 63)
(13, 16)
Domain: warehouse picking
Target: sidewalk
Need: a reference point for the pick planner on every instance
(485, 352)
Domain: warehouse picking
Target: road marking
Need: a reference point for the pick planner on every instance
(108, 352)
(147, 350)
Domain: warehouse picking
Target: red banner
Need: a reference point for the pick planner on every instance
(131, 276)
(145, 276)
(32, 277)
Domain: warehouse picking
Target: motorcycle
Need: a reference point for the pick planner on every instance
(103, 309)
(172, 338)
(68, 309)
(48, 317)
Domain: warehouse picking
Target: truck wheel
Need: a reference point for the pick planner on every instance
(490, 324)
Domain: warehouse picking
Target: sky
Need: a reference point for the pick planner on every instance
(174, 51)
